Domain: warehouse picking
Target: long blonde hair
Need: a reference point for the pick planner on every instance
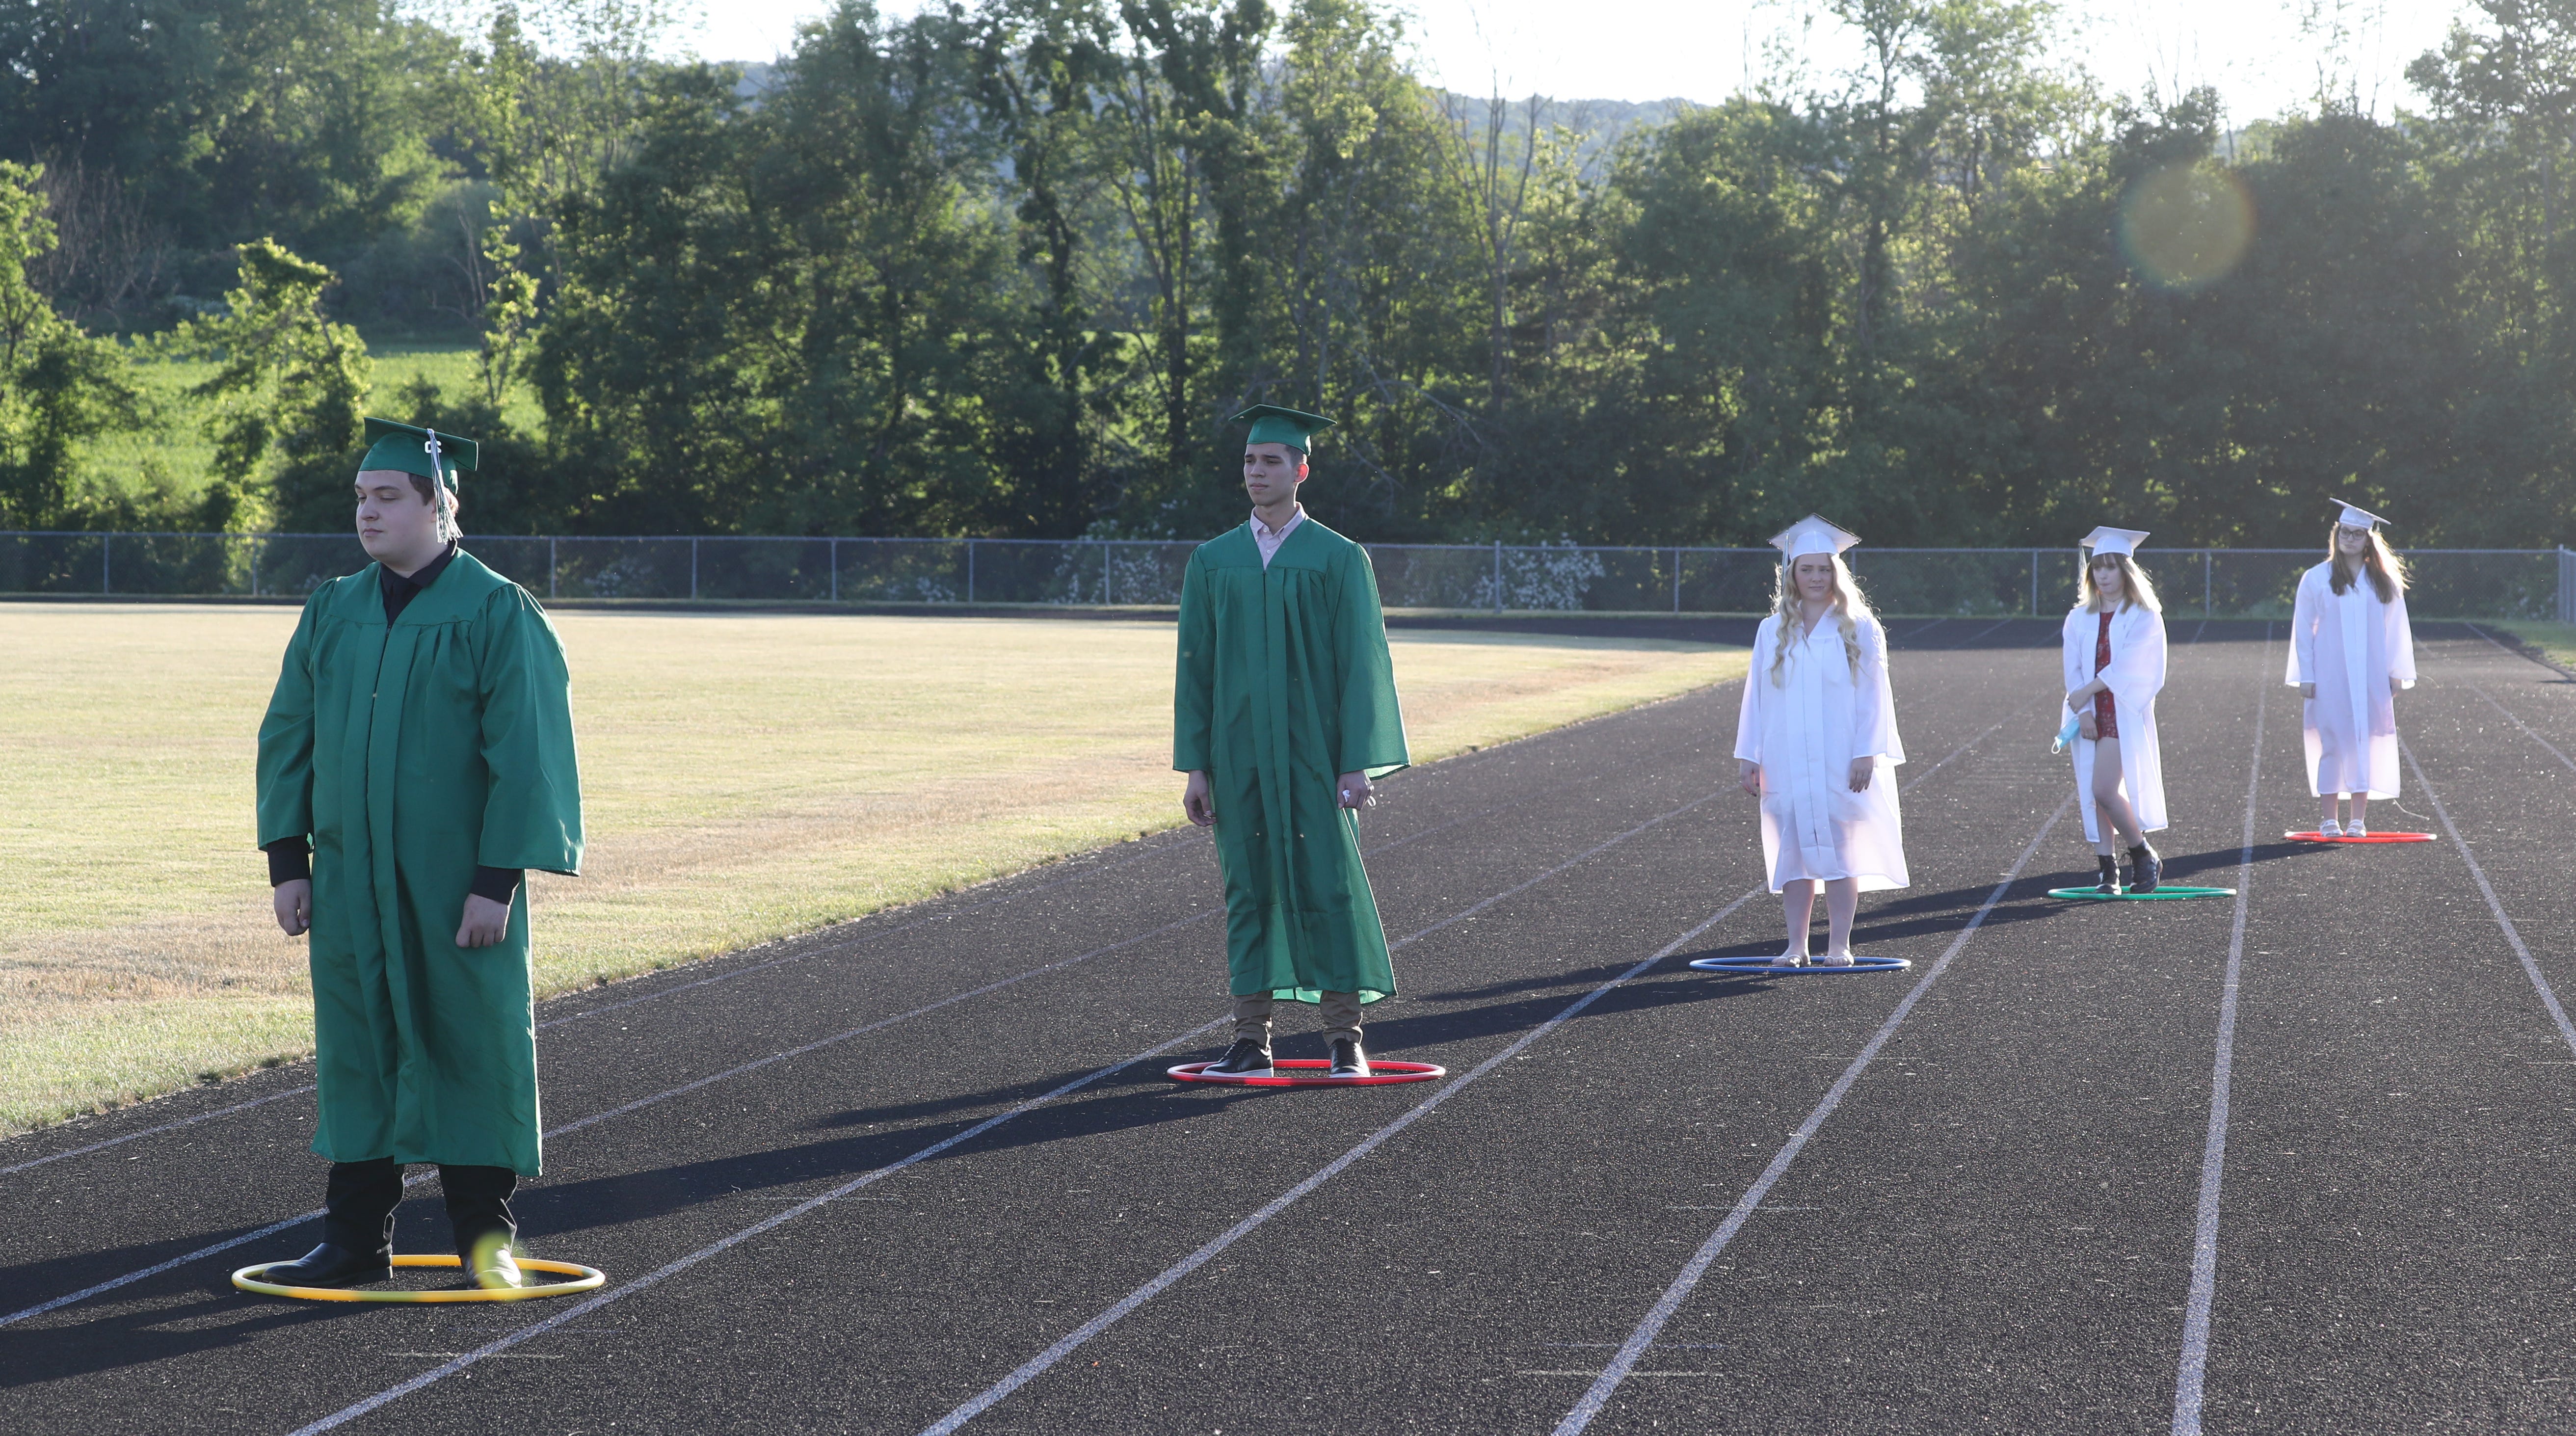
(1850, 606)
(2387, 571)
(2135, 586)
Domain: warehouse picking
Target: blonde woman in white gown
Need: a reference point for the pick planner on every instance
(2113, 649)
(1816, 743)
(2351, 649)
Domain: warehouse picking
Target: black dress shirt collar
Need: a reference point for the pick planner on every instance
(400, 591)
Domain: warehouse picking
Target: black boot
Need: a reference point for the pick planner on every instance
(357, 1229)
(2109, 884)
(1246, 1058)
(478, 1213)
(1349, 1060)
(329, 1265)
(2145, 869)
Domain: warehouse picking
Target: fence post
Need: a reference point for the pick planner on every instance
(2208, 604)
(1677, 580)
(836, 569)
(970, 570)
(2034, 583)
(1109, 573)
(106, 566)
(259, 550)
(551, 540)
(693, 568)
(1498, 575)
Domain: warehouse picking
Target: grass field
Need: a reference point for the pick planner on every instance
(2557, 641)
(745, 777)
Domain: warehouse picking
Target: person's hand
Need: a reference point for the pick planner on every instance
(1748, 776)
(1355, 790)
(486, 922)
(2086, 724)
(1196, 805)
(2394, 686)
(2075, 697)
(1861, 768)
(293, 900)
(2307, 690)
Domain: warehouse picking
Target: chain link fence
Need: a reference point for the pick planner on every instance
(1560, 578)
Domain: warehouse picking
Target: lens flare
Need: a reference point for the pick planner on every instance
(2185, 226)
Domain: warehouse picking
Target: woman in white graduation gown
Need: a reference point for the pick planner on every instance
(2351, 649)
(1816, 741)
(2114, 662)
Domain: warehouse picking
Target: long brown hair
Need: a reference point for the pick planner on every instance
(2387, 571)
(2135, 587)
(1850, 606)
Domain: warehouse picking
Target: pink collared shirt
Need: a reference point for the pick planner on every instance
(1268, 539)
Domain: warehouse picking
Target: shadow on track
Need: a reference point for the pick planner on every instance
(211, 1321)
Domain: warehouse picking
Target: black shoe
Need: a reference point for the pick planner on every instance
(332, 1266)
(1348, 1059)
(2109, 885)
(2145, 869)
(1246, 1058)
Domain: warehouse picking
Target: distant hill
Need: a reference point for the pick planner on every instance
(1598, 124)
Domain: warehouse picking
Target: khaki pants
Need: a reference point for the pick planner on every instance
(1341, 1016)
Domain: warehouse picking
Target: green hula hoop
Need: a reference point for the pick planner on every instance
(584, 1279)
(2168, 891)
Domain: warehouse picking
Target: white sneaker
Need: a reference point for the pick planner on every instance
(1829, 960)
(2354, 829)
(2330, 829)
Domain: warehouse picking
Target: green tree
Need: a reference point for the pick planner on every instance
(288, 388)
(58, 386)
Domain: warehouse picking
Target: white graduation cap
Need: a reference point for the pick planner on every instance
(2359, 518)
(2111, 540)
(1811, 535)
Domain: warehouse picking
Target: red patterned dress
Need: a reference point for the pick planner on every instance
(2106, 719)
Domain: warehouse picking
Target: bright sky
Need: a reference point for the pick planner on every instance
(2263, 55)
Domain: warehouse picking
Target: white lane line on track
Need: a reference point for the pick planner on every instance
(2192, 1367)
(2512, 934)
(426, 1173)
(514, 1338)
(1038, 1365)
(1634, 1349)
(671, 1269)
(155, 1131)
(2525, 727)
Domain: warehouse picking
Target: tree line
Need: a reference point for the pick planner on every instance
(1006, 267)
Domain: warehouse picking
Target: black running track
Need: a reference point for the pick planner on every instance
(1976, 1195)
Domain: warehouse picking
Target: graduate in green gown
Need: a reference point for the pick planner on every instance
(1283, 713)
(416, 761)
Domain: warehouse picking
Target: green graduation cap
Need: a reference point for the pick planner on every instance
(425, 452)
(1273, 424)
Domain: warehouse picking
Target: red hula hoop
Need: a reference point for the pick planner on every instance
(1382, 1073)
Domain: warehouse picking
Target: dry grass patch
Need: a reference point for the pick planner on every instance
(746, 776)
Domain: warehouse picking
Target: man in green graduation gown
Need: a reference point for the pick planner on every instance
(1284, 711)
(416, 760)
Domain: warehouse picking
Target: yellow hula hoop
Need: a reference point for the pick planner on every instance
(585, 1279)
